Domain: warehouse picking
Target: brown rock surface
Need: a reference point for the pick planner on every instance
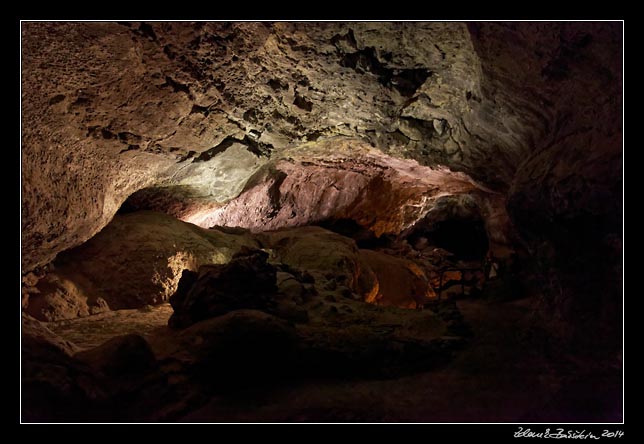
(320, 252)
(248, 281)
(135, 261)
(275, 126)
(398, 282)
(336, 179)
(39, 331)
(111, 108)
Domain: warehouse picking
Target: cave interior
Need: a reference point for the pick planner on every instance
(321, 222)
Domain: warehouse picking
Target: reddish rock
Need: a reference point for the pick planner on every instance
(396, 282)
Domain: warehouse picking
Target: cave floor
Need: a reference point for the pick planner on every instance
(92, 331)
(498, 377)
(495, 379)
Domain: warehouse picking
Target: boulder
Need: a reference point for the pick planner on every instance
(315, 250)
(55, 298)
(137, 260)
(55, 386)
(36, 329)
(247, 282)
(242, 346)
(124, 357)
(394, 281)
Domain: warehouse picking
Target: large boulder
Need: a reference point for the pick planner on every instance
(55, 386)
(242, 346)
(126, 364)
(33, 328)
(247, 282)
(56, 297)
(396, 281)
(137, 260)
(122, 356)
(320, 252)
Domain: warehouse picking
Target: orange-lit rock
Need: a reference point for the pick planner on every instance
(398, 282)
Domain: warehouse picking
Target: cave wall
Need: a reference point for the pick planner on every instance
(565, 198)
(110, 108)
(191, 112)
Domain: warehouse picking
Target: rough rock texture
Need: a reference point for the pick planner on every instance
(240, 346)
(336, 179)
(249, 346)
(320, 252)
(566, 194)
(37, 330)
(398, 282)
(397, 128)
(123, 356)
(476, 208)
(338, 265)
(92, 331)
(515, 372)
(143, 258)
(248, 281)
(55, 386)
(112, 108)
(193, 111)
(55, 297)
(135, 261)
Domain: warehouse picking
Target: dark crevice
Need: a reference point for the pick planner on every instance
(56, 99)
(440, 50)
(364, 237)
(130, 148)
(188, 155)
(274, 193)
(107, 134)
(406, 81)
(304, 81)
(348, 38)
(177, 86)
(314, 135)
(400, 136)
(212, 152)
(424, 126)
(465, 237)
(253, 115)
(147, 31)
(128, 137)
(303, 103)
(168, 51)
(197, 109)
(278, 84)
(254, 146)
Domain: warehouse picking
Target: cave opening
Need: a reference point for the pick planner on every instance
(363, 237)
(237, 238)
(465, 238)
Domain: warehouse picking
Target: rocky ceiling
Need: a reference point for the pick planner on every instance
(190, 115)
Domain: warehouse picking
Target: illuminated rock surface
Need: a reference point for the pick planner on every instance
(386, 163)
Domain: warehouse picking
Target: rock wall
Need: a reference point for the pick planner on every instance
(336, 179)
(135, 261)
(196, 113)
(111, 108)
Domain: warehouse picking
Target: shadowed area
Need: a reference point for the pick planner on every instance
(322, 221)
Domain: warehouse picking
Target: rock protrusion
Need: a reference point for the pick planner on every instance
(247, 282)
